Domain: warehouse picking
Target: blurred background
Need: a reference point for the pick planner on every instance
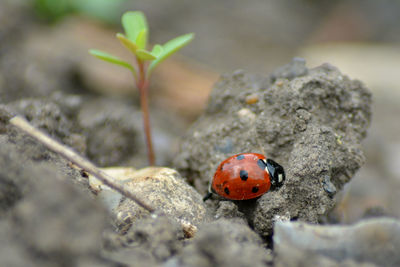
(44, 43)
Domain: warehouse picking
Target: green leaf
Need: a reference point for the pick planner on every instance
(145, 55)
(141, 40)
(170, 48)
(127, 43)
(134, 22)
(112, 59)
(157, 50)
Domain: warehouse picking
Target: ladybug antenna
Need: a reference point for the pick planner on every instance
(209, 193)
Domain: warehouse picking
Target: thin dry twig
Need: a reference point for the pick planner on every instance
(78, 160)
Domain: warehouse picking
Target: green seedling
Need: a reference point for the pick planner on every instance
(135, 40)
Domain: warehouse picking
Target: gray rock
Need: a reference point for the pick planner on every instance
(292, 70)
(311, 121)
(165, 190)
(374, 241)
(223, 243)
(297, 258)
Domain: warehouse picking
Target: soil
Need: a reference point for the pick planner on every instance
(312, 121)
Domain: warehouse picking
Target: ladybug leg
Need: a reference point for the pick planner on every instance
(208, 196)
(209, 193)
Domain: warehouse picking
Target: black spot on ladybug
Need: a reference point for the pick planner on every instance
(243, 175)
(222, 168)
(261, 164)
(240, 157)
(254, 189)
(226, 190)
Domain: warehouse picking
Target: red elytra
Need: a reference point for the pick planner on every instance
(245, 176)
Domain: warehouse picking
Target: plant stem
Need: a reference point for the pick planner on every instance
(142, 85)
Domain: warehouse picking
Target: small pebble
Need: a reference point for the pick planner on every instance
(247, 114)
(252, 99)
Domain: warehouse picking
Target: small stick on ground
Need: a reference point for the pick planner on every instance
(78, 160)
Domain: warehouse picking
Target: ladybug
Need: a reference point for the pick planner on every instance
(245, 176)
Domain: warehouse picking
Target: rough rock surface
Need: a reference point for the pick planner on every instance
(223, 243)
(165, 190)
(311, 121)
(296, 258)
(374, 241)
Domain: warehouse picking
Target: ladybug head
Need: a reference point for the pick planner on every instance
(276, 173)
